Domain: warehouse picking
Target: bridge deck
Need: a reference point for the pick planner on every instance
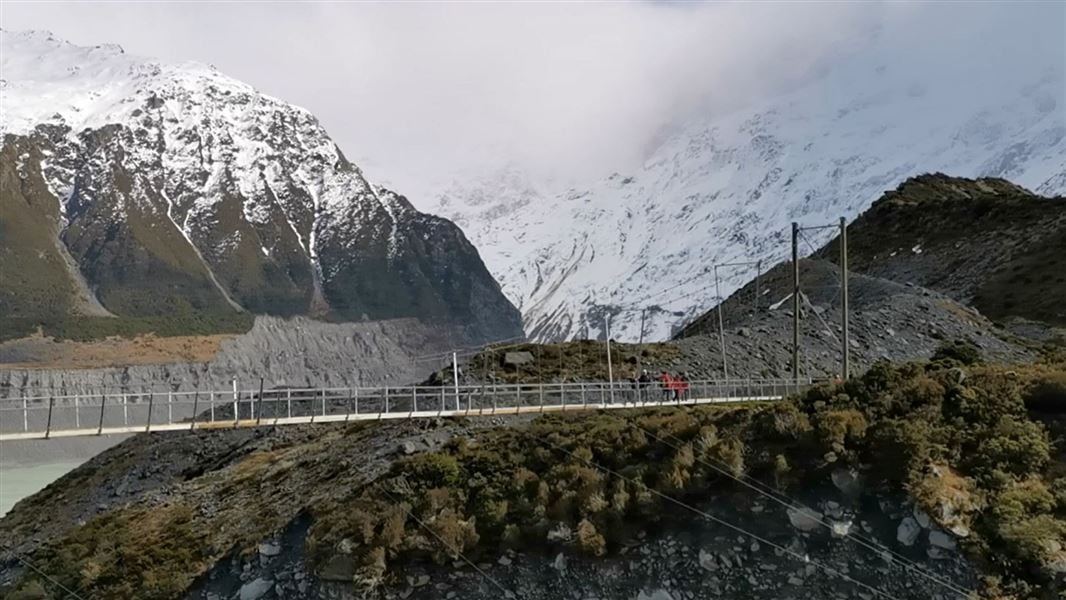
(46, 417)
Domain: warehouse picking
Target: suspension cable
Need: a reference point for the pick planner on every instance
(506, 592)
(788, 502)
(68, 593)
(801, 557)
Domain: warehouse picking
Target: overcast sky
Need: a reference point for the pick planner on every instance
(416, 93)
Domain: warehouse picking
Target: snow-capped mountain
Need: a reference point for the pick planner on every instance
(137, 187)
(725, 190)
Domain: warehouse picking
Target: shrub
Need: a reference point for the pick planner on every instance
(731, 453)
(1015, 446)
(958, 351)
(433, 469)
(1048, 394)
(902, 447)
(839, 429)
(454, 533)
(589, 540)
(31, 590)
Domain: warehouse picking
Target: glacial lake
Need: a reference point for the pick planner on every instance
(18, 482)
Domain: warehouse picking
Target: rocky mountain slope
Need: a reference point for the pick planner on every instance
(887, 321)
(725, 190)
(157, 196)
(938, 259)
(300, 352)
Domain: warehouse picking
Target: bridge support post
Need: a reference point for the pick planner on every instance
(259, 412)
(845, 354)
(195, 407)
(77, 413)
(148, 421)
(455, 376)
(721, 326)
(25, 415)
(48, 426)
(100, 425)
(795, 304)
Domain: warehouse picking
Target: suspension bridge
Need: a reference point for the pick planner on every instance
(125, 412)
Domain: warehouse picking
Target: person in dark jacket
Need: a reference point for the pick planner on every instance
(644, 383)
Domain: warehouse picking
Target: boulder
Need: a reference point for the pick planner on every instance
(269, 549)
(804, 519)
(921, 517)
(560, 563)
(941, 539)
(560, 533)
(840, 528)
(908, 531)
(707, 561)
(847, 481)
(256, 589)
(514, 359)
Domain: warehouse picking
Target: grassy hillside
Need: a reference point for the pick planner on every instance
(35, 279)
(985, 242)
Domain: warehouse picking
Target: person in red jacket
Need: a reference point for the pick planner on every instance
(682, 385)
(666, 382)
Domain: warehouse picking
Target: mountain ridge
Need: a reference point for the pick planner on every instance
(179, 191)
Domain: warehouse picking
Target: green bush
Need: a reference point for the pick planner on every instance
(958, 351)
(1047, 394)
(432, 469)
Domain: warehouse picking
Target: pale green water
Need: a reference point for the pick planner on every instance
(18, 482)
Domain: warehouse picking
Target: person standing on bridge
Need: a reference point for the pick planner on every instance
(682, 385)
(666, 383)
(643, 384)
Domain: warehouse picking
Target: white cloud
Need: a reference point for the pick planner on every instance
(417, 92)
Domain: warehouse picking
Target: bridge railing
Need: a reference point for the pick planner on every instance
(44, 416)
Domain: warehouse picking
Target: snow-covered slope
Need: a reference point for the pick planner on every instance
(173, 185)
(725, 190)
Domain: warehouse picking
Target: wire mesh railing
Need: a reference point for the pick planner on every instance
(45, 416)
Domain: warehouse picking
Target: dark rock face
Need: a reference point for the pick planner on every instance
(150, 242)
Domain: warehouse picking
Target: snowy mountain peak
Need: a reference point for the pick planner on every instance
(240, 199)
(641, 245)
